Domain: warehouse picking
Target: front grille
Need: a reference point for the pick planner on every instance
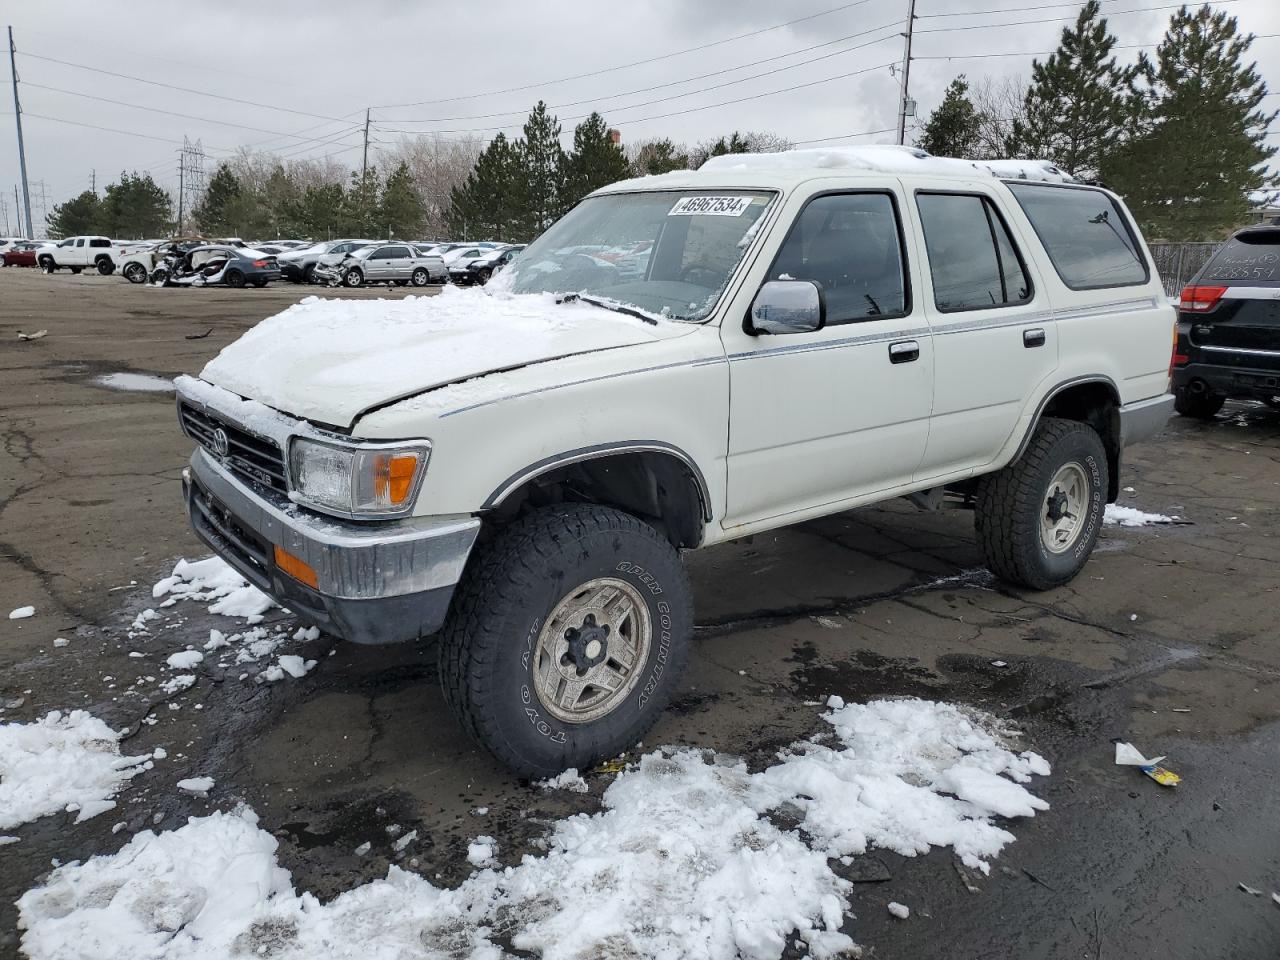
(221, 530)
(252, 457)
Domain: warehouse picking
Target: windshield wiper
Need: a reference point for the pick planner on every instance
(608, 305)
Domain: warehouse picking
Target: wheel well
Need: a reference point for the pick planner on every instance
(1097, 404)
(660, 488)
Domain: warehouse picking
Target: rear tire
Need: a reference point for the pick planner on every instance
(526, 666)
(309, 273)
(1199, 406)
(420, 277)
(1038, 519)
(105, 267)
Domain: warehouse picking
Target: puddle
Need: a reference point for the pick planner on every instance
(135, 382)
(863, 676)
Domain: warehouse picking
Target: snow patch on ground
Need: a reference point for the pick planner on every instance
(22, 613)
(681, 862)
(135, 382)
(1132, 517)
(65, 761)
(216, 580)
(568, 780)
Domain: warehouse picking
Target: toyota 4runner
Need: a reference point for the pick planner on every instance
(680, 361)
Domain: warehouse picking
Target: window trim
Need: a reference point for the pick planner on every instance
(988, 206)
(1125, 218)
(908, 304)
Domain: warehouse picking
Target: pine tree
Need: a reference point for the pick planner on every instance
(320, 210)
(1202, 150)
(595, 161)
(485, 204)
(953, 128)
(135, 207)
(400, 212)
(79, 215)
(539, 192)
(1075, 108)
(212, 215)
(360, 206)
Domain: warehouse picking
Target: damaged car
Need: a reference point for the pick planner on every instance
(217, 265)
(394, 264)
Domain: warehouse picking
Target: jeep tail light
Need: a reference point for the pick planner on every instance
(1200, 299)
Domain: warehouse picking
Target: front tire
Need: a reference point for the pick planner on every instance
(233, 278)
(566, 638)
(354, 277)
(135, 273)
(75, 271)
(1038, 519)
(47, 265)
(1199, 406)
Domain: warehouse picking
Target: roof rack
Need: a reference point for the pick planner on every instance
(889, 158)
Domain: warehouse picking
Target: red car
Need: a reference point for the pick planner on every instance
(21, 255)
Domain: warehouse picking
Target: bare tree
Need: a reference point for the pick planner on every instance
(999, 101)
(437, 164)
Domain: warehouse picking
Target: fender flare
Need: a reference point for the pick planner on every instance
(1048, 398)
(547, 464)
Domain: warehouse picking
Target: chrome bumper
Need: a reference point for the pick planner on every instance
(376, 582)
(1144, 419)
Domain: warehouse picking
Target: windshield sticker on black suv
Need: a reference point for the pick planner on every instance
(710, 206)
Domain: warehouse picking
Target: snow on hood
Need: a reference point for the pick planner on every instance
(330, 360)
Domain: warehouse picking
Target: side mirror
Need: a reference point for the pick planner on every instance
(787, 306)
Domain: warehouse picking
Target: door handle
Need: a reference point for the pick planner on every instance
(904, 351)
(1033, 338)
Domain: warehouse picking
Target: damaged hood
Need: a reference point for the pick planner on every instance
(330, 360)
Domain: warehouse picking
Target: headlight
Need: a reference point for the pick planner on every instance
(367, 480)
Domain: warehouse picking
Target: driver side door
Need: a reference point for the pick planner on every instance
(824, 417)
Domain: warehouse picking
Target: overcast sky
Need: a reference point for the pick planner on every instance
(321, 64)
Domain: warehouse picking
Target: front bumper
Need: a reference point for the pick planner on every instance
(290, 270)
(1240, 382)
(1144, 419)
(377, 581)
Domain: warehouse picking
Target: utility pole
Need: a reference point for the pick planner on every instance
(17, 214)
(22, 153)
(182, 168)
(93, 181)
(906, 73)
(364, 164)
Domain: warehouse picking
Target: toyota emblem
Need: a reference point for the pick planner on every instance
(220, 443)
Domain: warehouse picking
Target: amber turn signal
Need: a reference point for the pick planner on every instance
(298, 569)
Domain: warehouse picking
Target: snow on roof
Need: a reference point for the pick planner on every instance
(886, 158)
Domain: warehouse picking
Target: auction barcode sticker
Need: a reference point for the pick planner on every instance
(710, 206)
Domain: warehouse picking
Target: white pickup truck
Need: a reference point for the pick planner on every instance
(680, 361)
(82, 253)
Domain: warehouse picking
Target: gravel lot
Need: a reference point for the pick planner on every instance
(1168, 640)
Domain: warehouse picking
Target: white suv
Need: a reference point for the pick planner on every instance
(680, 361)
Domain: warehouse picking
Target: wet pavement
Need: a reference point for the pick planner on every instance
(1168, 639)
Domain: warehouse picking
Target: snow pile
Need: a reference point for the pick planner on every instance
(886, 158)
(1132, 517)
(566, 780)
(22, 613)
(65, 761)
(682, 861)
(405, 346)
(214, 579)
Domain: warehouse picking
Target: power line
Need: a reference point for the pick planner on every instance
(625, 66)
(846, 136)
(127, 133)
(1045, 53)
(1023, 23)
(974, 13)
(170, 86)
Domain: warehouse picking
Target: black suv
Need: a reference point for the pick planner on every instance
(1229, 327)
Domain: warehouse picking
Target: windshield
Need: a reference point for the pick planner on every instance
(667, 253)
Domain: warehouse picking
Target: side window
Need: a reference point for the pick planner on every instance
(382, 253)
(397, 253)
(1087, 236)
(972, 259)
(80, 242)
(851, 244)
(100, 242)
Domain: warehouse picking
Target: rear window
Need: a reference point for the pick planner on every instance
(1252, 257)
(1087, 236)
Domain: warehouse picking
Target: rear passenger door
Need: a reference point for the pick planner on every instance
(994, 337)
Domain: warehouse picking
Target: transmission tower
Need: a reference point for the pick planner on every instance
(190, 177)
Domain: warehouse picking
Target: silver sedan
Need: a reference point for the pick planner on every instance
(391, 263)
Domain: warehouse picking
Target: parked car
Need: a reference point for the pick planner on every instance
(7, 242)
(217, 265)
(299, 266)
(391, 263)
(79, 253)
(138, 267)
(522, 472)
(1229, 327)
(20, 254)
(480, 269)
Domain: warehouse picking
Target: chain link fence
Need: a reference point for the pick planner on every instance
(1178, 262)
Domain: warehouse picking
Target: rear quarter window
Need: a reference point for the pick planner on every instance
(1088, 238)
(1252, 258)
